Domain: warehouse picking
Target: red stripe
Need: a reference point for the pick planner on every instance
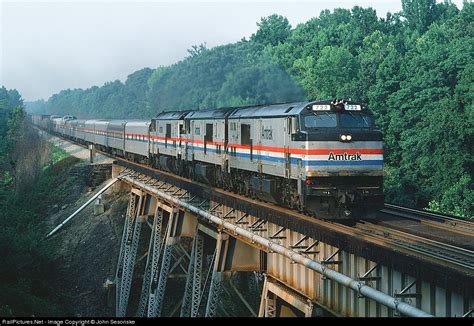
(187, 140)
(322, 151)
(303, 151)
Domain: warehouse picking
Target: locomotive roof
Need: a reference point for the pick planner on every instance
(276, 110)
(209, 114)
(172, 115)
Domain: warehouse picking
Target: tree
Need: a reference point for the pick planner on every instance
(196, 50)
(272, 30)
(419, 13)
(333, 74)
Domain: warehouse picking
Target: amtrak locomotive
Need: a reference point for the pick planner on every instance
(324, 158)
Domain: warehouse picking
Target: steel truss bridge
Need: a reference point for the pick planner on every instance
(310, 267)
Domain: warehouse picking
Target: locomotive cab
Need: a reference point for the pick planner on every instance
(344, 160)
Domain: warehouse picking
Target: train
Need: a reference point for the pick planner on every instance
(323, 158)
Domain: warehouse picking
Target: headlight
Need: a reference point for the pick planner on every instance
(349, 137)
(343, 137)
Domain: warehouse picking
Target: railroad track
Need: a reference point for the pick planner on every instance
(438, 251)
(431, 219)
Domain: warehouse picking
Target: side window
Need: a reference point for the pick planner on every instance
(267, 132)
(187, 124)
(161, 129)
(197, 130)
(245, 134)
(153, 126)
(168, 130)
(209, 132)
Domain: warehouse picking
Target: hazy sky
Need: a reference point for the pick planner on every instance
(49, 46)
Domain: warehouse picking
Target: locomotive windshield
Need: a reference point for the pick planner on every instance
(355, 120)
(342, 119)
(322, 120)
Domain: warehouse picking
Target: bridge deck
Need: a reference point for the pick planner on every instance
(406, 261)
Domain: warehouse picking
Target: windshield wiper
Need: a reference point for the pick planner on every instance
(366, 121)
(352, 115)
(331, 116)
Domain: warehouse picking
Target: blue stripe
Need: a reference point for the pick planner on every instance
(163, 144)
(261, 157)
(211, 150)
(310, 162)
(326, 163)
(138, 140)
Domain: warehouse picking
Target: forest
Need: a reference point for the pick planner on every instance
(414, 69)
(30, 183)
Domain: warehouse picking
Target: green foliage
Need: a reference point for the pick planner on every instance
(332, 75)
(449, 201)
(228, 75)
(26, 259)
(272, 30)
(414, 69)
(57, 155)
(35, 107)
(11, 116)
(419, 13)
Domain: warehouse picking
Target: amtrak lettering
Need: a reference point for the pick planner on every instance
(344, 157)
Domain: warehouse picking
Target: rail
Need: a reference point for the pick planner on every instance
(431, 219)
(442, 252)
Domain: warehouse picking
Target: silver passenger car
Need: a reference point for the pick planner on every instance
(100, 130)
(116, 136)
(137, 137)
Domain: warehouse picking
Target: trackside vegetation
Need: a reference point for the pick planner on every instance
(33, 180)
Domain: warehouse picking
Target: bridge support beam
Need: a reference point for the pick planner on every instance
(280, 301)
(158, 287)
(196, 291)
(191, 276)
(153, 258)
(214, 293)
(128, 250)
(215, 289)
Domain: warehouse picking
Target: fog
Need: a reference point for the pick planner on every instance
(50, 46)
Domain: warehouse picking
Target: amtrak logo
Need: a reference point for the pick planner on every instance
(344, 157)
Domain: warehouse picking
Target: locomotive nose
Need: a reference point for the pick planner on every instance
(346, 197)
